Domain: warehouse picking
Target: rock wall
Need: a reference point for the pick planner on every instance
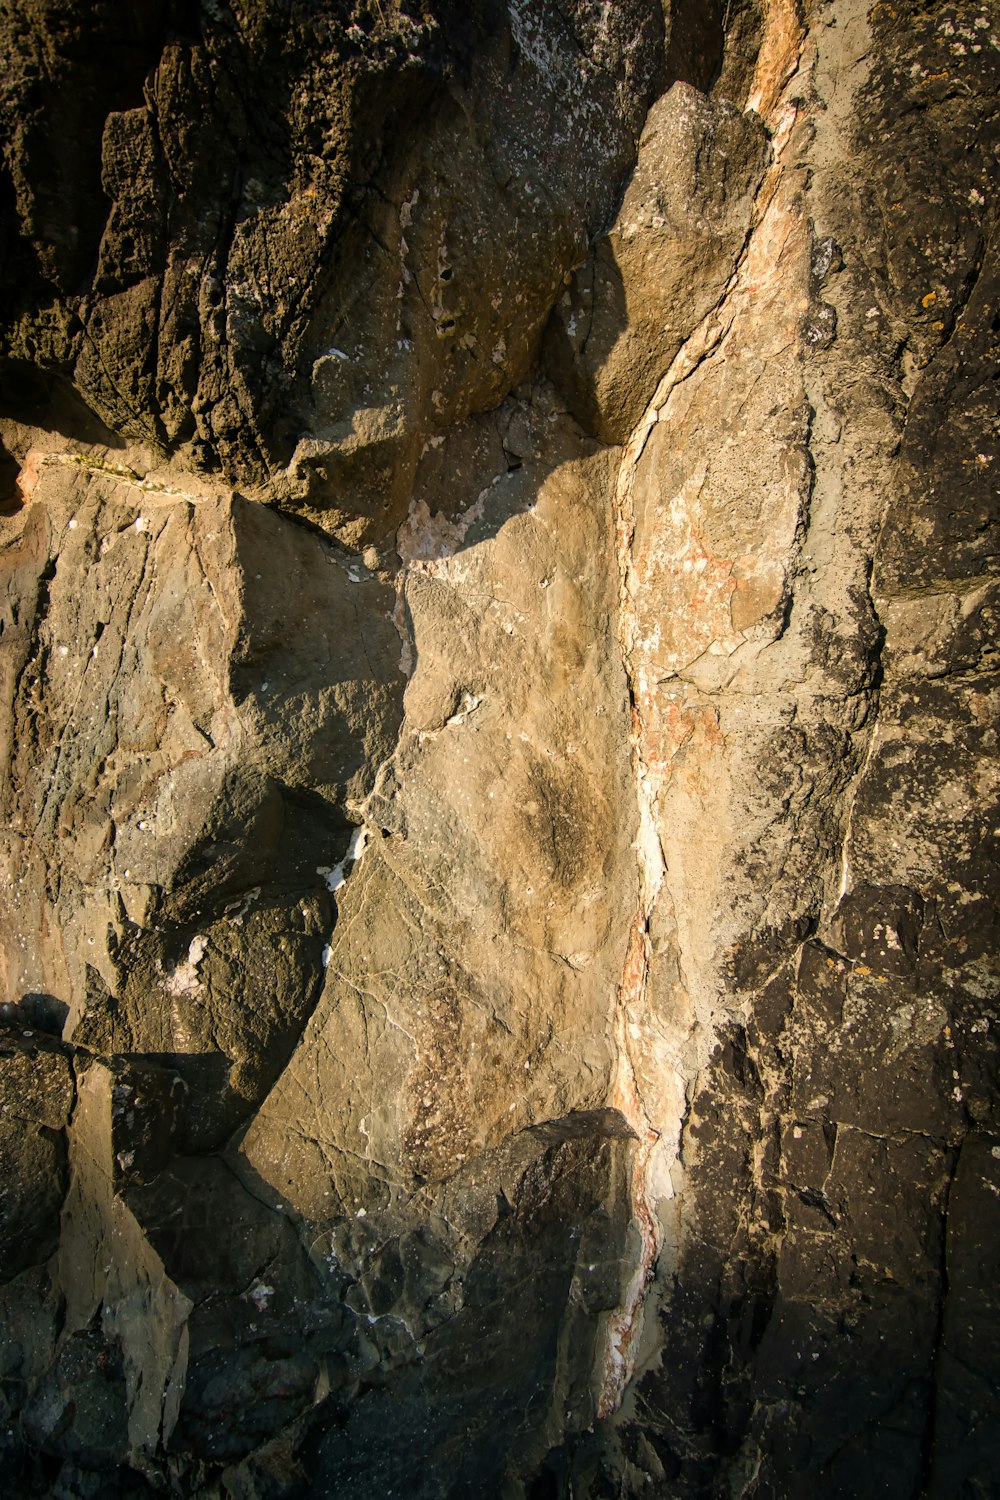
(498, 754)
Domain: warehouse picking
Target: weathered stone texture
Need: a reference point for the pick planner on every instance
(498, 750)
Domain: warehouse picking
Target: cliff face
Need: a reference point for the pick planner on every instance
(498, 754)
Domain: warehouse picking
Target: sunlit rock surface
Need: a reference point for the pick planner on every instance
(498, 765)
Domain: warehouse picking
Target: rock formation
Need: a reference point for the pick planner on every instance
(498, 767)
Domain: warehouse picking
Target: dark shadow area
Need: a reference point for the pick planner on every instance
(665, 262)
(40, 398)
(375, 1359)
(697, 42)
(10, 495)
(422, 1355)
(36, 1009)
(714, 43)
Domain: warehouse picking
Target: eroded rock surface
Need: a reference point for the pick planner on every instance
(498, 750)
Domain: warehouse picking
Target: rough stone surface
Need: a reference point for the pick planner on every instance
(498, 749)
(665, 262)
(254, 261)
(38, 1098)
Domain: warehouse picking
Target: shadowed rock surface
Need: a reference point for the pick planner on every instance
(498, 749)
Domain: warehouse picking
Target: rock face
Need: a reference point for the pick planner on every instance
(498, 765)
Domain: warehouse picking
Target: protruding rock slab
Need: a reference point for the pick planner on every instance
(178, 751)
(508, 794)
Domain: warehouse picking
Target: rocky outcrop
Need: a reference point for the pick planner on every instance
(498, 769)
(239, 249)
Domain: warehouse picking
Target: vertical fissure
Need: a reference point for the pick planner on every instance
(624, 1326)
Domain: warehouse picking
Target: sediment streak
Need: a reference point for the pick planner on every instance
(779, 56)
(624, 1327)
